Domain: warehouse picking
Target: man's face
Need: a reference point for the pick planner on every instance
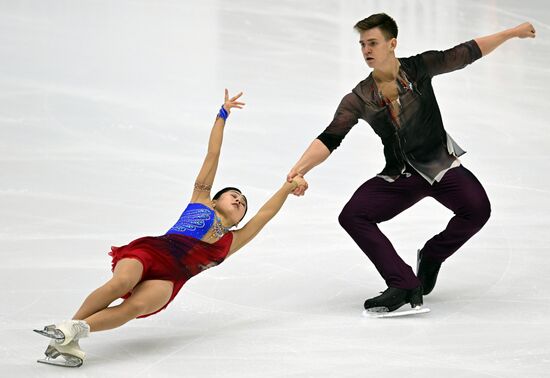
(374, 47)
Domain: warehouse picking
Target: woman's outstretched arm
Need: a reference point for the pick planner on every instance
(205, 178)
(265, 214)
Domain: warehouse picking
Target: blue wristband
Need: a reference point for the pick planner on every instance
(223, 114)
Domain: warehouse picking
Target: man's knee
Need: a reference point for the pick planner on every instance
(344, 218)
(485, 213)
(347, 217)
(479, 213)
(350, 216)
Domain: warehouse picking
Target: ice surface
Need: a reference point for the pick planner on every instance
(105, 110)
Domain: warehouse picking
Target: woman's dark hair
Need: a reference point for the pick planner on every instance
(387, 25)
(227, 189)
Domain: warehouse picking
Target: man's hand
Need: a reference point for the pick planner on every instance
(525, 30)
(299, 178)
(315, 154)
(300, 182)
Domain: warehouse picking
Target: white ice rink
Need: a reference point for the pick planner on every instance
(105, 111)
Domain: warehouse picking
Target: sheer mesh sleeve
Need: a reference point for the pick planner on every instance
(346, 116)
(439, 62)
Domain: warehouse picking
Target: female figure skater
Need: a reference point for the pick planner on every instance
(149, 272)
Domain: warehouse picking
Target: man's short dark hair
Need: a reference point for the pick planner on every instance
(387, 25)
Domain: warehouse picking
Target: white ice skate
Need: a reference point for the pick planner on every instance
(65, 332)
(382, 312)
(72, 355)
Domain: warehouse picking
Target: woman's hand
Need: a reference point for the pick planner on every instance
(302, 186)
(232, 102)
(299, 184)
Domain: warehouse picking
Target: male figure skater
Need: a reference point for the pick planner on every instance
(398, 102)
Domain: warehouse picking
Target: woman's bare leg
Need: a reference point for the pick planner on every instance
(147, 297)
(126, 275)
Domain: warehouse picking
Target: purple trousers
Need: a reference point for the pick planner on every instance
(378, 200)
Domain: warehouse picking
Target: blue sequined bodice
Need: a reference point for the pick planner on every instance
(195, 221)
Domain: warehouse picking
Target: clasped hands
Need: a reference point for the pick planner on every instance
(299, 179)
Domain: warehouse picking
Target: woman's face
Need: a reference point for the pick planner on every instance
(232, 205)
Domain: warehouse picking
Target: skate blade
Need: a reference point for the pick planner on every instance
(51, 332)
(66, 361)
(382, 312)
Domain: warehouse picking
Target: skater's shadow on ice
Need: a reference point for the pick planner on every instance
(148, 346)
(145, 348)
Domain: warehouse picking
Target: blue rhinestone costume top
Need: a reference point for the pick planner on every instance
(195, 221)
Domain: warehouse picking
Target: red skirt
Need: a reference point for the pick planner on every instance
(173, 257)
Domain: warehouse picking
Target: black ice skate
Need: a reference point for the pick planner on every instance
(392, 299)
(426, 271)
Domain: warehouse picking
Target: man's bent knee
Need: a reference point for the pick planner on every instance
(479, 214)
(484, 213)
(347, 218)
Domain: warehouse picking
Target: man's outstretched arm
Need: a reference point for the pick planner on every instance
(315, 154)
(488, 43)
(346, 116)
